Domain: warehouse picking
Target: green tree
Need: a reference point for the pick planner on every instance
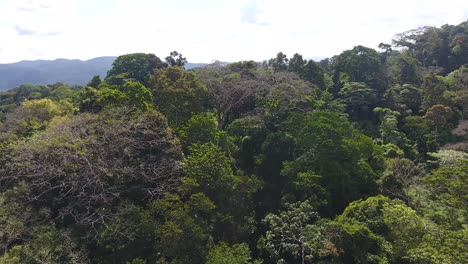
(95, 81)
(138, 66)
(359, 64)
(379, 230)
(293, 235)
(182, 228)
(209, 171)
(225, 254)
(345, 160)
(178, 94)
(175, 59)
(360, 100)
(296, 64)
(279, 63)
(405, 99)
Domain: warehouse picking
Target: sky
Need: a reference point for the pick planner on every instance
(208, 30)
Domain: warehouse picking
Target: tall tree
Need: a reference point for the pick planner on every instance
(138, 66)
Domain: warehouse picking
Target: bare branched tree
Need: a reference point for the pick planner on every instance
(86, 166)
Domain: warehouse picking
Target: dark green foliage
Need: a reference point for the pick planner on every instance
(138, 66)
(332, 155)
(361, 64)
(95, 81)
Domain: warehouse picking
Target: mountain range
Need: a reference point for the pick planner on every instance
(72, 72)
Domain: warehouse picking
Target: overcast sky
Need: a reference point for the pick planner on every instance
(207, 30)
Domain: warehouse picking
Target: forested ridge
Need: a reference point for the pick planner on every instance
(358, 158)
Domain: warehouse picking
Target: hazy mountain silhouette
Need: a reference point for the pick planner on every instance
(73, 72)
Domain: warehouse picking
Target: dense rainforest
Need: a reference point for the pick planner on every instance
(359, 158)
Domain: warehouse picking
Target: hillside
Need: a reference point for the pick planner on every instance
(42, 72)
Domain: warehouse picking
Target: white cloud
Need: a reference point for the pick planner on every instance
(206, 30)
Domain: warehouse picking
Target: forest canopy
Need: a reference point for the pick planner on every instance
(358, 158)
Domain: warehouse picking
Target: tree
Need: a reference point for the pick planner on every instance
(296, 64)
(138, 66)
(292, 234)
(222, 253)
(85, 166)
(360, 100)
(130, 93)
(199, 129)
(176, 59)
(379, 230)
(399, 178)
(228, 93)
(359, 64)
(389, 131)
(209, 171)
(182, 228)
(405, 98)
(314, 73)
(33, 116)
(279, 63)
(403, 69)
(178, 94)
(345, 161)
(48, 245)
(137, 95)
(95, 81)
(433, 87)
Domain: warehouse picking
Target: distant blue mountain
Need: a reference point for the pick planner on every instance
(73, 72)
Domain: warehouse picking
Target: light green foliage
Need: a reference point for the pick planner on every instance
(137, 95)
(222, 253)
(110, 96)
(203, 128)
(389, 132)
(448, 158)
(294, 235)
(35, 115)
(401, 180)
(130, 94)
(448, 188)
(64, 93)
(48, 245)
(379, 230)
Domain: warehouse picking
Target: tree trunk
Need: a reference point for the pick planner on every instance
(303, 257)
